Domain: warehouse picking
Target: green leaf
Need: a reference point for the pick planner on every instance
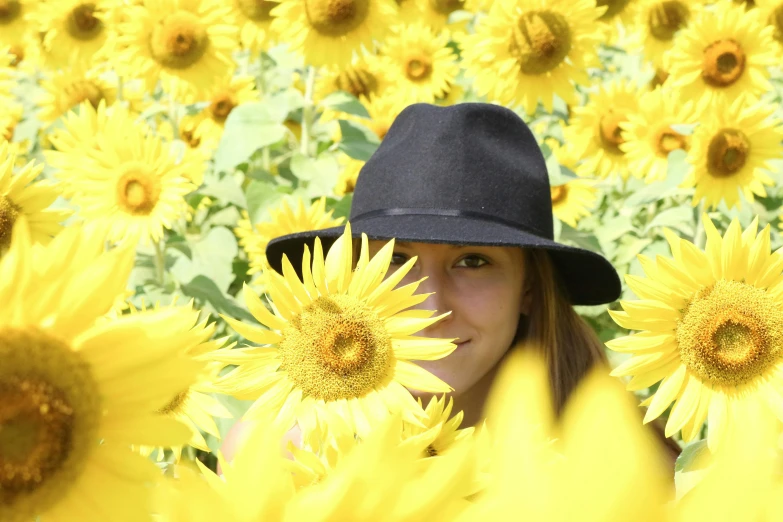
(680, 218)
(249, 127)
(319, 173)
(341, 207)
(261, 195)
(345, 102)
(693, 457)
(226, 189)
(579, 238)
(358, 141)
(205, 290)
(212, 255)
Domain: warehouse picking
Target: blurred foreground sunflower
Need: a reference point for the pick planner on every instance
(285, 218)
(337, 352)
(185, 43)
(329, 32)
(526, 51)
(419, 63)
(648, 136)
(595, 134)
(22, 196)
(573, 200)
(71, 401)
(437, 417)
(710, 329)
(732, 147)
(724, 52)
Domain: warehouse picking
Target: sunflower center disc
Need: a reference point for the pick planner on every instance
(724, 63)
(336, 17)
(610, 132)
(8, 214)
(730, 333)
(669, 140)
(727, 153)
(559, 193)
(176, 404)
(179, 41)
(9, 11)
(418, 69)
(431, 451)
(257, 10)
(83, 90)
(613, 7)
(221, 107)
(666, 18)
(542, 40)
(137, 193)
(188, 137)
(359, 82)
(49, 413)
(82, 23)
(336, 348)
(446, 7)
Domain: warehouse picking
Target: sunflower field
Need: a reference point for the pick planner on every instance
(151, 149)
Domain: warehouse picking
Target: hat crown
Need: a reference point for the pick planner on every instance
(472, 159)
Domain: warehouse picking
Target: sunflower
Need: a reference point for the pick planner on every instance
(21, 196)
(615, 11)
(72, 403)
(223, 96)
(454, 93)
(710, 327)
(435, 15)
(772, 12)
(364, 78)
(285, 218)
(16, 25)
(187, 43)
(75, 31)
(594, 132)
(255, 21)
(349, 173)
(573, 200)
(130, 181)
(329, 32)
(419, 63)
(66, 89)
(526, 51)
(339, 345)
(723, 53)
(436, 417)
(659, 21)
(6, 72)
(408, 12)
(731, 148)
(648, 136)
(383, 111)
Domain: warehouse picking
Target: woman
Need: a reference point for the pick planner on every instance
(465, 189)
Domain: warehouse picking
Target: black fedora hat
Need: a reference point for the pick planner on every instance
(472, 174)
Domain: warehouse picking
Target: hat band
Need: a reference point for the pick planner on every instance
(448, 213)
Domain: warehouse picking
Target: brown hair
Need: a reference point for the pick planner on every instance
(571, 347)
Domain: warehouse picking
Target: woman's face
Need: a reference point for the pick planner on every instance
(483, 287)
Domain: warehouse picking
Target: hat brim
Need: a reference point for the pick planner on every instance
(588, 277)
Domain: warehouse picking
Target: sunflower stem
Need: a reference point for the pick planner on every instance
(307, 111)
(173, 116)
(120, 96)
(160, 261)
(700, 235)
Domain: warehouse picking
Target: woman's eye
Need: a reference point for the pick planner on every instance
(472, 261)
(398, 259)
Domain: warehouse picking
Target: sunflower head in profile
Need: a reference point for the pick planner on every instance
(528, 51)
(337, 352)
(254, 18)
(130, 180)
(772, 12)
(68, 88)
(723, 53)
(184, 43)
(420, 63)
(437, 417)
(349, 173)
(573, 200)
(658, 22)
(731, 150)
(329, 32)
(22, 196)
(595, 133)
(70, 385)
(365, 77)
(223, 96)
(285, 218)
(76, 32)
(648, 134)
(710, 329)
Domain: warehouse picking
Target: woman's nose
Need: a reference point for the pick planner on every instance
(434, 284)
